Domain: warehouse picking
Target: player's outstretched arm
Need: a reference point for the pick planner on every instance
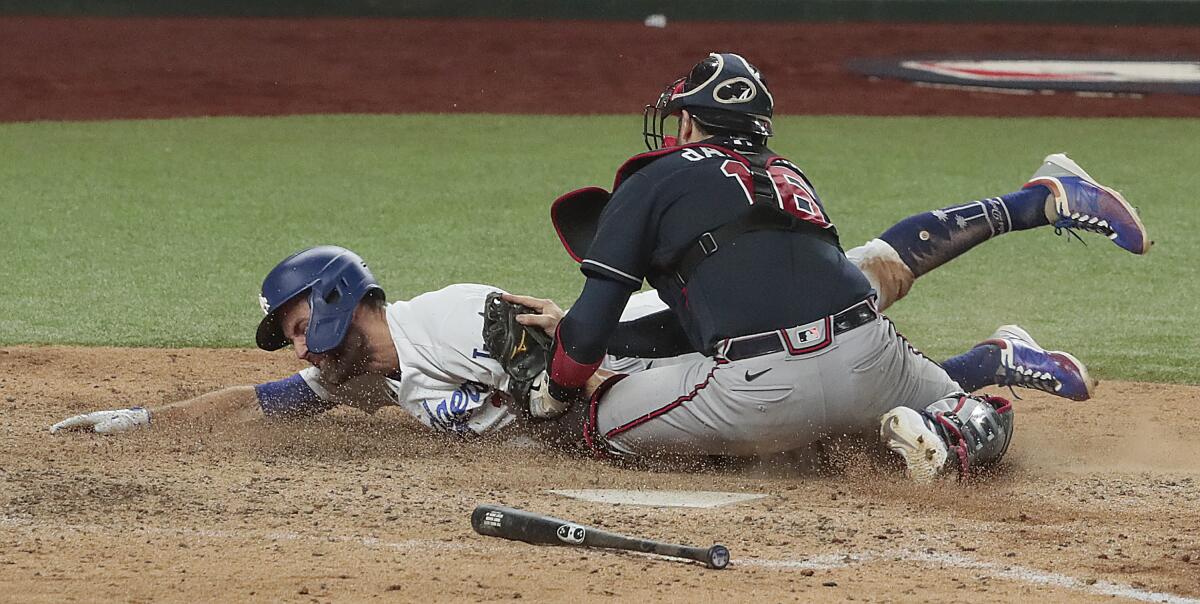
(236, 402)
(233, 403)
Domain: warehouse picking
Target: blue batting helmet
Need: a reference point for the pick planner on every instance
(336, 280)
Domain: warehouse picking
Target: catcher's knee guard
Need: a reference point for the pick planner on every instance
(962, 432)
(976, 429)
(592, 438)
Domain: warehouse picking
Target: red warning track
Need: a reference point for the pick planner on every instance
(101, 68)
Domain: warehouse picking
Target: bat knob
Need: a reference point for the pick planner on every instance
(718, 557)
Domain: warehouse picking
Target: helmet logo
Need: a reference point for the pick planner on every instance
(735, 91)
(262, 303)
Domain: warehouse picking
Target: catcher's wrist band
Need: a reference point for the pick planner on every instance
(567, 372)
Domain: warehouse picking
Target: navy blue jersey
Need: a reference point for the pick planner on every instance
(762, 280)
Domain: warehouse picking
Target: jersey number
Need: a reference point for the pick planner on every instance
(792, 192)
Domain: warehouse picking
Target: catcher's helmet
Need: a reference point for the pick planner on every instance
(336, 280)
(724, 92)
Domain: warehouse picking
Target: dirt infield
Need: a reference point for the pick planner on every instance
(134, 68)
(1102, 498)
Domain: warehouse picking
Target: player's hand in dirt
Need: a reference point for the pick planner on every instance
(549, 312)
(106, 422)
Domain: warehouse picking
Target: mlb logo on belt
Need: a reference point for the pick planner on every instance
(808, 338)
(812, 334)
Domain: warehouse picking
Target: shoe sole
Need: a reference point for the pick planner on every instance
(903, 430)
(1015, 331)
(1068, 165)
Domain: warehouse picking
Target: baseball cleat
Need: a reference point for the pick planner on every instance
(1023, 363)
(906, 432)
(1086, 205)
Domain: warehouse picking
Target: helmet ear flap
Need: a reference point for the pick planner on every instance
(333, 303)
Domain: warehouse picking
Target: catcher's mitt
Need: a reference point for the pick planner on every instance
(523, 352)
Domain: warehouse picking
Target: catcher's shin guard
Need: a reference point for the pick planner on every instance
(961, 432)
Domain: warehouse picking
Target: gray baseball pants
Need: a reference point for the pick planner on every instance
(771, 403)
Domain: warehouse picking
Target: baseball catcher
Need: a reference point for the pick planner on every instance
(789, 342)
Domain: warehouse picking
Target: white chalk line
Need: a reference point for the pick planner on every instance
(1011, 572)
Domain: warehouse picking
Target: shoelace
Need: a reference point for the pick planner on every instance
(1083, 222)
(1061, 226)
(1029, 378)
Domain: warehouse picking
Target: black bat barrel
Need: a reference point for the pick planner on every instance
(521, 525)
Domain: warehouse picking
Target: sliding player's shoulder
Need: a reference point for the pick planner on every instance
(458, 293)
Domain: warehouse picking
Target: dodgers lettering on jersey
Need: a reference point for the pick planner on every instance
(453, 413)
(447, 380)
(763, 280)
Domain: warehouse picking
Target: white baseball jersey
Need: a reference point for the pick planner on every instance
(446, 380)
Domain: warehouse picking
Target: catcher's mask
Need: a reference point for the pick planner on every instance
(724, 93)
(335, 279)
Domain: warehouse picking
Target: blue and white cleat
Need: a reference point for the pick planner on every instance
(1086, 205)
(1025, 364)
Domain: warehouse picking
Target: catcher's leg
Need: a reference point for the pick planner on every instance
(765, 399)
(956, 434)
(708, 406)
(929, 422)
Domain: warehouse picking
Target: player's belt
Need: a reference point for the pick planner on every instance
(802, 339)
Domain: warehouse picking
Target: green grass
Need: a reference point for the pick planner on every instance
(158, 232)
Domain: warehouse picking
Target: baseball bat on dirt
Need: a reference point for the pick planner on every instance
(531, 527)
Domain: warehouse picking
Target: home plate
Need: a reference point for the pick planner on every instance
(661, 499)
